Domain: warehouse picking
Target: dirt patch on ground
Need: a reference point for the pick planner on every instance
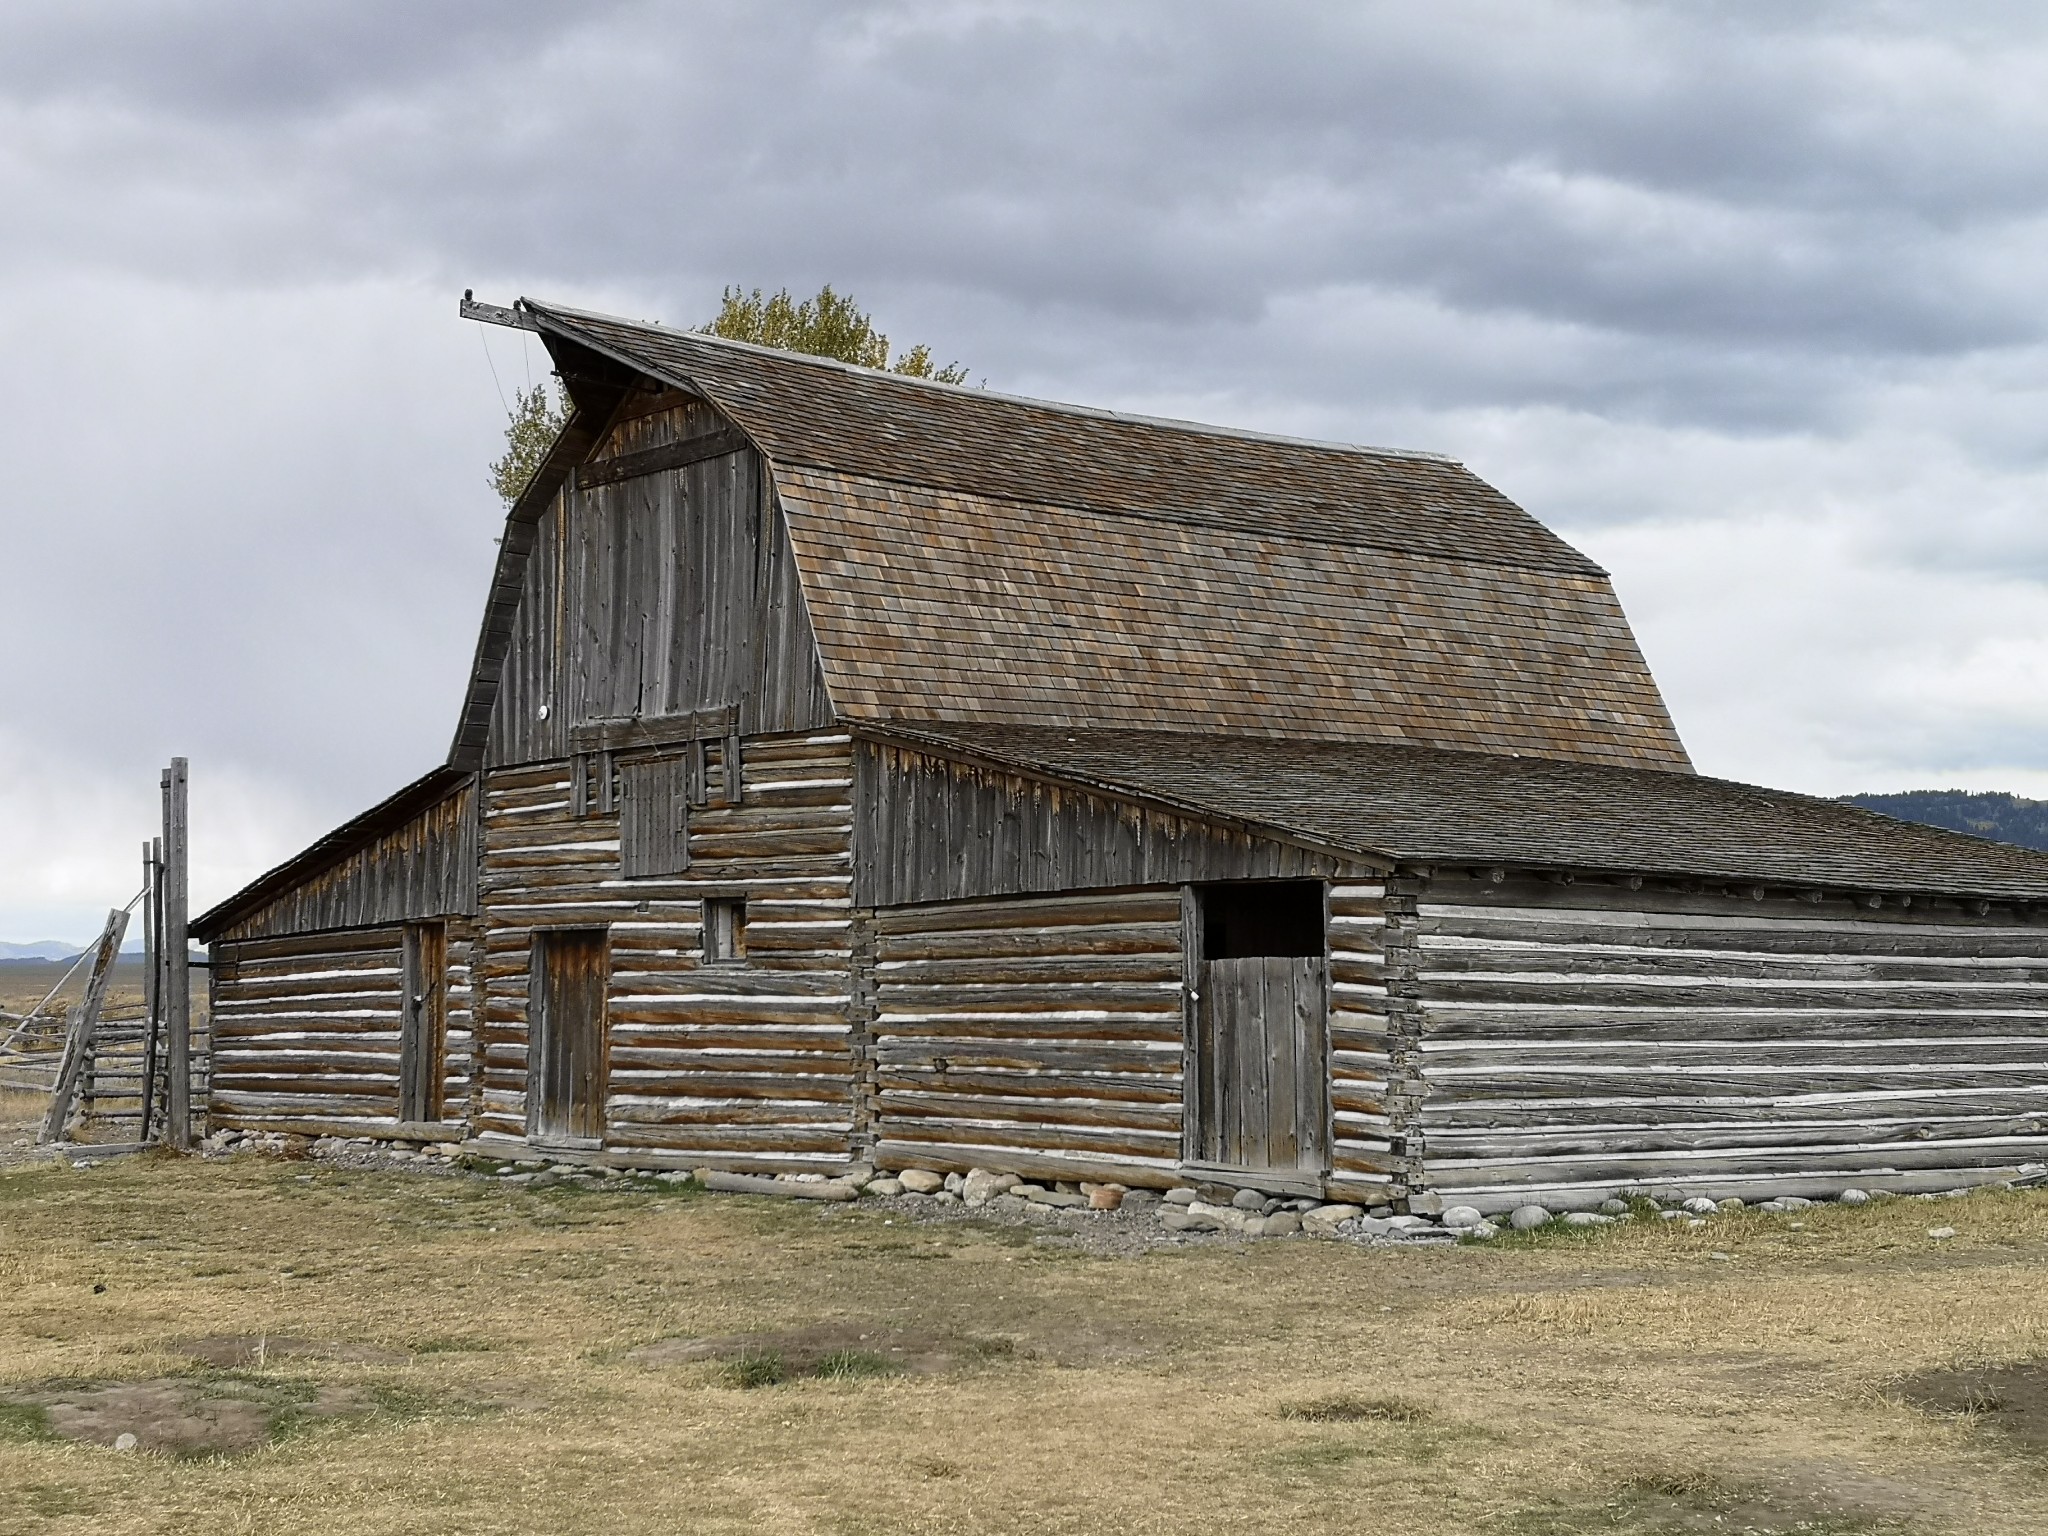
(186, 1418)
(236, 1351)
(2010, 1398)
(817, 1350)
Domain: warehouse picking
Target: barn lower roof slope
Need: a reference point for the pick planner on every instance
(1426, 805)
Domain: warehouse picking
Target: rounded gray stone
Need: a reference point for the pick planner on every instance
(1527, 1218)
(1614, 1207)
(1249, 1200)
(1855, 1197)
(1462, 1216)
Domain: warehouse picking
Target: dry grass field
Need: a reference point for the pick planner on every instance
(420, 1353)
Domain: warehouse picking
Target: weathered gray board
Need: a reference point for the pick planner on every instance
(423, 1023)
(1571, 1040)
(1261, 1090)
(424, 868)
(655, 594)
(568, 977)
(932, 828)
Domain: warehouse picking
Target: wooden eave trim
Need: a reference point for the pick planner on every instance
(321, 855)
(908, 738)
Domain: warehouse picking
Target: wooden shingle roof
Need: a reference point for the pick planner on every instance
(1425, 806)
(973, 556)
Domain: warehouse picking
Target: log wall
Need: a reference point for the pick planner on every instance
(306, 1032)
(746, 1065)
(1037, 1036)
(1362, 1160)
(1583, 1039)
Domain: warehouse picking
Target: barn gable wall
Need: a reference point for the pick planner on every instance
(663, 594)
(425, 867)
(931, 828)
(1568, 1041)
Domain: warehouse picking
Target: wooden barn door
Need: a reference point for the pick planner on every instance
(423, 1022)
(1259, 1099)
(566, 1071)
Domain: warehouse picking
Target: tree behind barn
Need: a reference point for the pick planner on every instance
(830, 325)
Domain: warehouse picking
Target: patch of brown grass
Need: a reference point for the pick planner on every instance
(1148, 1394)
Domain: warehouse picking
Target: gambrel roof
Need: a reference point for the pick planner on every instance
(972, 556)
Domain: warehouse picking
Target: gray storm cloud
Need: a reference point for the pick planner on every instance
(1744, 300)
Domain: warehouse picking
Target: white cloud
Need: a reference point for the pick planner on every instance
(1745, 302)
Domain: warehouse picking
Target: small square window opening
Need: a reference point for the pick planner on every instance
(725, 930)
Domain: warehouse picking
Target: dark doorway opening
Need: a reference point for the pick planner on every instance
(1267, 917)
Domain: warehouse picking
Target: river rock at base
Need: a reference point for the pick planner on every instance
(981, 1186)
(1855, 1197)
(1527, 1218)
(1181, 1195)
(1054, 1197)
(921, 1181)
(1324, 1220)
(1249, 1200)
(1463, 1216)
(883, 1187)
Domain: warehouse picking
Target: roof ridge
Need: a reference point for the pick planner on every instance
(980, 392)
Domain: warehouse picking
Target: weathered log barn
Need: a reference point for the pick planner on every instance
(858, 766)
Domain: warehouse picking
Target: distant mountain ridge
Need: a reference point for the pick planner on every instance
(42, 949)
(2003, 818)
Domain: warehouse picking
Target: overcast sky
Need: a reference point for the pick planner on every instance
(1746, 300)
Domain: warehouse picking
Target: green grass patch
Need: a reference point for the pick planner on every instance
(756, 1369)
(24, 1421)
(852, 1365)
(1350, 1408)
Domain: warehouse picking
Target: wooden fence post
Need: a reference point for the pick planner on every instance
(177, 978)
(152, 977)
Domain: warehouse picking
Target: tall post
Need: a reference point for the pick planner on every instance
(177, 980)
(152, 977)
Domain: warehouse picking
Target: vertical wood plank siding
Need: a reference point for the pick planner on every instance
(1580, 1039)
(306, 1031)
(932, 829)
(426, 868)
(1361, 1152)
(737, 1065)
(657, 595)
(1034, 1036)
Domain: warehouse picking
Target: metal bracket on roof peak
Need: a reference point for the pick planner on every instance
(496, 314)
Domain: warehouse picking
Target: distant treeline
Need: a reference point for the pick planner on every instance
(2007, 818)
